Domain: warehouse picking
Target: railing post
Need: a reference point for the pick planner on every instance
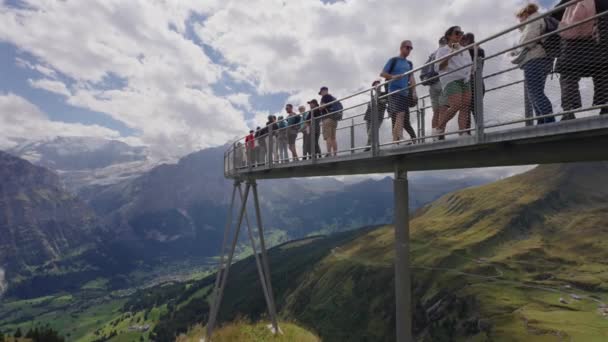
(478, 95)
(270, 145)
(352, 136)
(422, 121)
(313, 137)
(234, 158)
(528, 113)
(375, 129)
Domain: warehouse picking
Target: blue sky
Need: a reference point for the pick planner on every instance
(190, 74)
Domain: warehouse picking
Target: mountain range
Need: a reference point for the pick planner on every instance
(521, 259)
(171, 215)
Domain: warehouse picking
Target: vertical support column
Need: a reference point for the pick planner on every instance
(375, 126)
(265, 264)
(423, 121)
(478, 96)
(352, 136)
(528, 112)
(270, 144)
(403, 291)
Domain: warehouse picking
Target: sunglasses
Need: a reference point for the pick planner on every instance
(458, 33)
(409, 47)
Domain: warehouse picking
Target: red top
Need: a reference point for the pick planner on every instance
(250, 141)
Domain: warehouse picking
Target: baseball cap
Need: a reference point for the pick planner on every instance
(323, 88)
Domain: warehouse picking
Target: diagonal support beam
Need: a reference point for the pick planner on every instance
(258, 263)
(224, 276)
(272, 307)
(220, 270)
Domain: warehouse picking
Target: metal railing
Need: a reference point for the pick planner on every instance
(500, 101)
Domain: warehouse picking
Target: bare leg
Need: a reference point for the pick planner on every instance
(464, 117)
(398, 127)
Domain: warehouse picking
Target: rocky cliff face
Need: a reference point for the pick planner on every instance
(39, 221)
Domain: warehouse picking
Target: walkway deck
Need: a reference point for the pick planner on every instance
(584, 139)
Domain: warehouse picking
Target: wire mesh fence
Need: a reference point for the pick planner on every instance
(549, 68)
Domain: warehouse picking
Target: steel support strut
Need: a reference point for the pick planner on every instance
(261, 270)
(222, 273)
(403, 295)
(262, 265)
(271, 305)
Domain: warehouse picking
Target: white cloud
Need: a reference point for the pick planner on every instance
(131, 60)
(21, 120)
(50, 85)
(240, 100)
(135, 60)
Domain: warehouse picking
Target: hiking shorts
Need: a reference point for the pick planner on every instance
(438, 99)
(292, 135)
(457, 87)
(397, 103)
(329, 129)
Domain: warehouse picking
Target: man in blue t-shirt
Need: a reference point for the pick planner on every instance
(400, 87)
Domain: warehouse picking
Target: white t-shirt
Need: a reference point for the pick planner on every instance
(457, 61)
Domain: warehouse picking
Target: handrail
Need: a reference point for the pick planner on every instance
(470, 46)
(376, 93)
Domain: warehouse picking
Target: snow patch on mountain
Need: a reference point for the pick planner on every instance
(88, 161)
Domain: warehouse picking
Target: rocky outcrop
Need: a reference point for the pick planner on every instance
(39, 220)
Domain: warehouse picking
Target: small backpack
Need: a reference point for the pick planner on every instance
(575, 14)
(552, 43)
(428, 72)
(337, 108)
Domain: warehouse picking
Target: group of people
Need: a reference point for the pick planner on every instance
(572, 53)
(452, 85)
(277, 139)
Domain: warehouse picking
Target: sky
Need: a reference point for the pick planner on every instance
(181, 75)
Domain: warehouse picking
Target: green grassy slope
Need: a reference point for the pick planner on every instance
(490, 263)
(523, 259)
(245, 331)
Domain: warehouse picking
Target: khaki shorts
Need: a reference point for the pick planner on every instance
(329, 129)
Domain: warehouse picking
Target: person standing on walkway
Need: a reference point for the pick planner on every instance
(293, 123)
(590, 41)
(282, 140)
(382, 102)
(260, 146)
(468, 39)
(402, 90)
(316, 114)
(533, 60)
(430, 77)
(305, 129)
(250, 147)
(274, 138)
(455, 74)
(330, 122)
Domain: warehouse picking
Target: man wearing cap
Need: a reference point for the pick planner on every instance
(400, 87)
(330, 123)
(316, 114)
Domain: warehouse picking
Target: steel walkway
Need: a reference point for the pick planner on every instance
(504, 134)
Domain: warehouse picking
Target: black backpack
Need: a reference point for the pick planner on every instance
(336, 107)
(551, 44)
(429, 72)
